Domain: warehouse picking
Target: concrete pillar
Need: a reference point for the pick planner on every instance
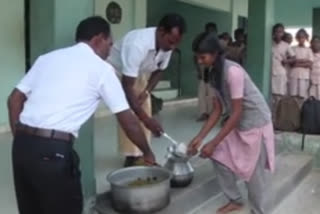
(261, 15)
(53, 25)
(68, 14)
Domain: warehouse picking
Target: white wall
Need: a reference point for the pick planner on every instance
(127, 21)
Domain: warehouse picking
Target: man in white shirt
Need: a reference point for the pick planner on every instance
(140, 58)
(47, 108)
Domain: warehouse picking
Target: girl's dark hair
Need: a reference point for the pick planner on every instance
(315, 37)
(226, 35)
(303, 31)
(239, 32)
(211, 25)
(276, 26)
(286, 35)
(208, 43)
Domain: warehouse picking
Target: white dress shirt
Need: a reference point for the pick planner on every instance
(136, 53)
(64, 88)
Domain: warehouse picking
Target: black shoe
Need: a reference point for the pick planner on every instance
(133, 161)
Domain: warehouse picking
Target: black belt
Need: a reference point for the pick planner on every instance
(46, 133)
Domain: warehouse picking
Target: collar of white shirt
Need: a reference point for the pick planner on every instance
(86, 47)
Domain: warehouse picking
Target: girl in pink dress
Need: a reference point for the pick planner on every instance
(244, 147)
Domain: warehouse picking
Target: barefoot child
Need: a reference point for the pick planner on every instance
(315, 71)
(244, 147)
(299, 76)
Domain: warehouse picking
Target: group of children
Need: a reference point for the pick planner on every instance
(295, 70)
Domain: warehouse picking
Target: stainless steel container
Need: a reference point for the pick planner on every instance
(180, 167)
(143, 199)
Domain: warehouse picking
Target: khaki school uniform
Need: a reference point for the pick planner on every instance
(205, 92)
(236, 53)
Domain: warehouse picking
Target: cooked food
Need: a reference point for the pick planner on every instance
(144, 182)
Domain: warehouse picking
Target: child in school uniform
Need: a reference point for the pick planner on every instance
(315, 71)
(299, 76)
(287, 37)
(282, 57)
(236, 50)
(244, 146)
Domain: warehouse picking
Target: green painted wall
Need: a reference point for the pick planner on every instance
(140, 13)
(67, 16)
(133, 15)
(316, 21)
(223, 5)
(295, 12)
(12, 53)
(41, 27)
(50, 28)
(196, 17)
(127, 16)
(238, 8)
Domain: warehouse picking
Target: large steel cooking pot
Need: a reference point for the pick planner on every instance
(140, 199)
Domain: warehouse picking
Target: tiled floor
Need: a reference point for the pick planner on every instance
(305, 199)
(178, 122)
(7, 197)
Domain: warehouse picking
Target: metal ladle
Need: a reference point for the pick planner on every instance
(176, 146)
(174, 142)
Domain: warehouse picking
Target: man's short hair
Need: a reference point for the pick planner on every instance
(173, 20)
(92, 26)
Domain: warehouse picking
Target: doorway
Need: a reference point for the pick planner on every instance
(27, 34)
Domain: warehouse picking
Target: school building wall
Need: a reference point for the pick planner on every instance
(295, 13)
(41, 27)
(224, 5)
(12, 53)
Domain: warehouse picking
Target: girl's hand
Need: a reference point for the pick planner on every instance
(194, 146)
(207, 150)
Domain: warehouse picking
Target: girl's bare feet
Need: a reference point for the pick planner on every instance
(222, 208)
(230, 207)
